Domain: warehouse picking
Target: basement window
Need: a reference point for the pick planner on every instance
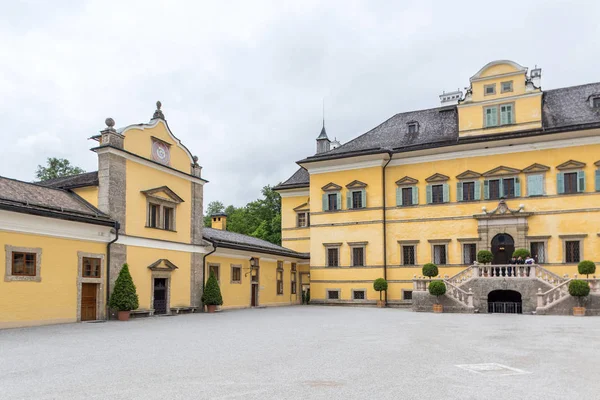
(358, 295)
(333, 295)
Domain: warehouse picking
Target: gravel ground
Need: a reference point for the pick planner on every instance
(306, 352)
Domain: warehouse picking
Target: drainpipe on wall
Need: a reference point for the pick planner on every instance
(204, 265)
(384, 225)
(117, 227)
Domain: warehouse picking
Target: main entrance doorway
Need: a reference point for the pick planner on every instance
(503, 246)
(505, 302)
(160, 296)
(89, 304)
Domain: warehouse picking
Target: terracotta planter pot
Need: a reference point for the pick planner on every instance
(123, 315)
(579, 311)
(380, 303)
(211, 308)
(438, 308)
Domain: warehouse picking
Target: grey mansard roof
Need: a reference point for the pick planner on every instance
(73, 181)
(244, 242)
(563, 109)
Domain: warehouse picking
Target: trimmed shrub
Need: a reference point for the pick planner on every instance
(124, 296)
(484, 256)
(379, 285)
(586, 267)
(430, 270)
(523, 253)
(437, 289)
(212, 292)
(579, 289)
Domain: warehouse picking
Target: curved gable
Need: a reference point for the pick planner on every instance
(498, 67)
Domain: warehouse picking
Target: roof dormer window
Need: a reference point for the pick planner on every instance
(596, 102)
(413, 127)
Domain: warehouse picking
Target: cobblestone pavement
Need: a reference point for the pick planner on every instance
(307, 352)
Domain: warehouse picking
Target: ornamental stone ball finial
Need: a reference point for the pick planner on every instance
(110, 123)
(195, 158)
(158, 114)
(158, 105)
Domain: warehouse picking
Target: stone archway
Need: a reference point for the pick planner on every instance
(502, 220)
(505, 302)
(503, 246)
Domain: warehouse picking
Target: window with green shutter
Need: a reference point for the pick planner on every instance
(535, 185)
(332, 201)
(491, 116)
(598, 180)
(356, 199)
(506, 114)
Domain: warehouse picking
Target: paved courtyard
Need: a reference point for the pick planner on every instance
(306, 352)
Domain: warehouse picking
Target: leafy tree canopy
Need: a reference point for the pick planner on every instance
(56, 168)
(260, 218)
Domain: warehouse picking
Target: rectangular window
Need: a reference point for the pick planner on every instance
(293, 282)
(153, 218)
(506, 114)
(596, 102)
(468, 191)
(412, 128)
(439, 254)
(358, 256)
(407, 196)
(535, 185)
(358, 295)
(293, 267)
(489, 89)
(407, 295)
(214, 268)
(538, 252)
(332, 201)
(506, 86)
(302, 220)
(279, 280)
(494, 189)
(572, 251)
(168, 218)
(408, 255)
(357, 199)
(333, 257)
(570, 182)
(333, 295)
(491, 116)
(236, 274)
(91, 267)
(508, 186)
(469, 253)
(437, 194)
(23, 264)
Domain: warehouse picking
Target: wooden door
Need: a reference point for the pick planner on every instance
(89, 304)
(254, 301)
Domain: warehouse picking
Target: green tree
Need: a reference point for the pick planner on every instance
(212, 292)
(437, 289)
(56, 168)
(430, 270)
(214, 207)
(380, 285)
(124, 296)
(586, 267)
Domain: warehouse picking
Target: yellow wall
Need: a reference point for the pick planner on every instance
(89, 194)
(54, 299)
(293, 237)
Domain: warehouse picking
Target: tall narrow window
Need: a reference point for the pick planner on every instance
(572, 251)
(293, 282)
(358, 256)
(494, 189)
(468, 191)
(23, 264)
(236, 274)
(408, 255)
(279, 277)
(538, 252)
(302, 219)
(535, 185)
(333, 257)
(570, 182)
(357, 199)
(154, 216)
(407, 196)
(439, 254)
(469, 253)
(168, 218)
(332, 201)
(214, 269)
(437, 194)
(508, 186)
(506, 114)
(491, 116)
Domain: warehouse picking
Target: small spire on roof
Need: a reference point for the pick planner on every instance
(158, 114)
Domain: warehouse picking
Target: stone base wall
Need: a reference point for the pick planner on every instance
(527, 287)
(565, 307)
(423, 302)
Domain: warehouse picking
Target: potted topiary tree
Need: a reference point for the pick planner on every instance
(124, 297)
(484, 256)
(437, 289)
(523, 253)
(212, 294)
(430, 270)
(380, 285)
(586, 268)
(579, 289)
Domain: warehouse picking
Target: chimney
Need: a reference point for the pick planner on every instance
(536, 77)
(219, 221)
(450, 98)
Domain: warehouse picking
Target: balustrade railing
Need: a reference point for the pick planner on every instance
(466, 298)
(505, 270)
(552, 296)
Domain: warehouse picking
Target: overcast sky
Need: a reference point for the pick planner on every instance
(242, 82)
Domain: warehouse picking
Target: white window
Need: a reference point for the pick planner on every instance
(491, 116)
(506, 114)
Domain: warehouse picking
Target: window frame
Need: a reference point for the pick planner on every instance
(544, 243)
(306, 219)
(489, 86)
(9, 276)
(234, 267)
(161, 218)
(404, 292)
(361, 247)
(98, 259)
(543, 178)
(336, 202)
(168, 213)
(413, 127)
(404, 244)
(440, 242)
(293, 280)
(464, 253)
(211, 266)
(596, 102)
(498, 115)
(572, 239)
(364, 291)
(407, 189)
(433, 196)
(336, 248)
(472, 186)
(338, 294)
(576, 179)
(279, 278)
(503, 90)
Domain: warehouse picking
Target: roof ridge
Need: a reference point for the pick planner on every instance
(34, 184)
(570, 87)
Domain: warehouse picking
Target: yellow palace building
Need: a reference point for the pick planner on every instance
(65, 240)
(505, 165)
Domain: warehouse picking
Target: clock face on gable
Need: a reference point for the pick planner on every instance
(161, 152)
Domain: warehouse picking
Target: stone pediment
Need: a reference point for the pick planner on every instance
(536, 168)
(162, 265)
(163, 193)
(571, 164)
(407, 180)
(302, 207)
(502, 210)
(437, 178)
(468, 174)
(330, 187)
(356, 185)
(502, 171)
